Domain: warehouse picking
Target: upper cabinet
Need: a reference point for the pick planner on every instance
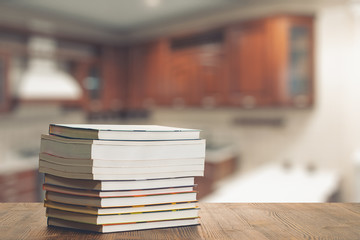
(4, 92)
(248, 63)
(197, 76)
(147, 75)
(212, 75)
(252, 64)
(292, 56)
(185, 72)
(183, 79)
(261, 63)
(196, 73)
(270, 62)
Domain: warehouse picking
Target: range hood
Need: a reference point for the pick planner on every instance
(43, 79)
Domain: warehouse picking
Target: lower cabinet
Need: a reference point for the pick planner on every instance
(214, 172)
(23, 186)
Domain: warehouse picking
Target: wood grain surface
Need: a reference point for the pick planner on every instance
(218, 221)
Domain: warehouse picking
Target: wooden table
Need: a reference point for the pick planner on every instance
(218, 221)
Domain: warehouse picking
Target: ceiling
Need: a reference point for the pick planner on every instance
(122, 15)
(122, 21)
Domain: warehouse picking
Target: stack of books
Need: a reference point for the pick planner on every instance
(110, 178)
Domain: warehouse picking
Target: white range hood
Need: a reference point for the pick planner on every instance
(43, 79)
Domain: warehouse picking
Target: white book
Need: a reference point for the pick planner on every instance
(119, 163)
(95, 193)
(118, 210)
(120, 170)
(120, 201)
(123, 132)
(137, 176)
(122, 227)
(123, 218)
(122, 150)
(118, 185)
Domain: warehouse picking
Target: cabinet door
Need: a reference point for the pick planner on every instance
(211, 75)
(4, 91)
(148, 81)
(156, 66)
(112, 67)
(197, 76)
(184, 84)
(300, 62)
(136, 77)
(291, 60)
(248, 74)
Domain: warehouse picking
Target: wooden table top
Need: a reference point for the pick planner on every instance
(218, 221)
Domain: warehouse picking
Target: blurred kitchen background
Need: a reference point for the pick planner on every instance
(273, 84)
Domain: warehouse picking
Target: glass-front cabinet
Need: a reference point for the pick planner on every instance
(299, 64)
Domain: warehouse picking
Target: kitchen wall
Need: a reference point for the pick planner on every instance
(325, 136)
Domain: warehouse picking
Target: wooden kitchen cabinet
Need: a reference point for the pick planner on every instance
(248, 56)
(184, 84)
(22, 186)
(113, 67)
(197, 76)
(291, 62)
(176, 72)
(212, 75)
(252, 64)
(102, 79)
(257, 63)
(270, 62)
(4, 88)
(135, 88)
(160, 75)
(148, 66)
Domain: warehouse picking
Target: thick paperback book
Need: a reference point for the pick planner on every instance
(123, 132)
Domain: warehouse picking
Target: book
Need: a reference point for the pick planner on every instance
(95, 193)
(119, 163)
(124, 217)
(118, 210)
(123, 132)
(122, 227)
(122, 150)
(108, 178)
(138, 176)
(119, 170)
(112, 185)
(120, 201)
